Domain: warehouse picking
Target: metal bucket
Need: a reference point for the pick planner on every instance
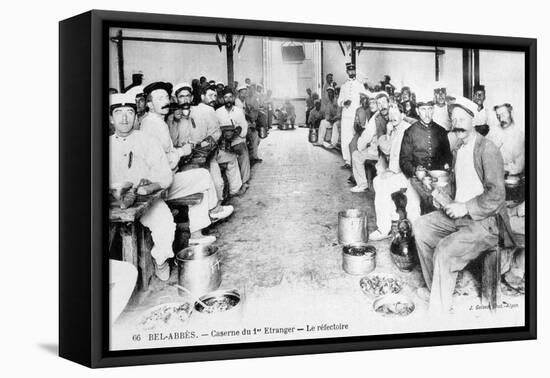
(199, 269)
(359, 263)
(313, 135)
(352, 227)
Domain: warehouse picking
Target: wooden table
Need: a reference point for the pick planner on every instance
(136, 241)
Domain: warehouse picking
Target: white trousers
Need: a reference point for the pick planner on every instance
(159, 220)
(348, 118)
(191, 182)
(233, 173)
(323, 126)
(384, 185)
(122, 280)
(358, 166)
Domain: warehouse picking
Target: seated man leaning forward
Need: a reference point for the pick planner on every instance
(391, 179)
(207, 124)
(231, 115)
(449, 238)
(367, 144)
(187, 182)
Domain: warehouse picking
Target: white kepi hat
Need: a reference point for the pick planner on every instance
(469, 106)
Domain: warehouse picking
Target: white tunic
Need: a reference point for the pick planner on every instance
(511, 143)
(390, 144)
(153, 124)
(441, 117)
(136, 157)
(468, 184)
(236, 117)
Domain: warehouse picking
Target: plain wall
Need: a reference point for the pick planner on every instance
(176, 62)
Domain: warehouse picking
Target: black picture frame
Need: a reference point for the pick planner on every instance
(83, 319)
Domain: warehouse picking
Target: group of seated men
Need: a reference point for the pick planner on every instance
(157, 132)
(387, 136)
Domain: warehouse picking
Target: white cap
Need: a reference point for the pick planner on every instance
(122, 99)
(182, 85)
(241, 87)
(219, 83)
(462, 102)
(135, 91)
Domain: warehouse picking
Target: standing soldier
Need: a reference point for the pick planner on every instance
(349, 100)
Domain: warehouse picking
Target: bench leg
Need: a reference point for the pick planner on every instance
(129, 243)
(490, 278)
(146, 267)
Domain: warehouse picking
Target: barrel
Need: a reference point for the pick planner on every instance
(352, 226)
(313, 135)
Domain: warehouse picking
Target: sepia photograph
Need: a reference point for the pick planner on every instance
(266, 188)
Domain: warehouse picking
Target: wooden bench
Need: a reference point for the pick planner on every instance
(136, 239)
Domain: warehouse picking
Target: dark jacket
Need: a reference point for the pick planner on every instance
(427, 146)
(490, 170)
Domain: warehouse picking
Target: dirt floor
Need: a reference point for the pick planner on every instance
(280, 249)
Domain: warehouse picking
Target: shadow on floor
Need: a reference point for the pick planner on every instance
(51, 348)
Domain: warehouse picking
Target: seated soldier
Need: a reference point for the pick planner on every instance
(188, 182)
(135, 158)
(391, 179)
(316, 115)
(468, 222)
(509, 137)
(290, 112)
(332, 120)
(231, 115)
(207, 125)
(367, 146)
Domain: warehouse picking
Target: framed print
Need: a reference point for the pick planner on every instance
(236, 188)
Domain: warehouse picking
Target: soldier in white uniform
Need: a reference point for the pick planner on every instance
(187, 182)
(206, 121)
(349, 100)
(441, 111)
(135, 158)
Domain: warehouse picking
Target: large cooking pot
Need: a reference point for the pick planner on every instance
(199, 269)
(313, 135)
(352, 226)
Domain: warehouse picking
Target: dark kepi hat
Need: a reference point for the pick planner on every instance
(157, 85)
(350, 66)
(226, 90)
(479, 87)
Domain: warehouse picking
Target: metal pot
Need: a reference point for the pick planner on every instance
(358, 258)
(352, 227)
(313, 135)
(199, 269)
(220, 314)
